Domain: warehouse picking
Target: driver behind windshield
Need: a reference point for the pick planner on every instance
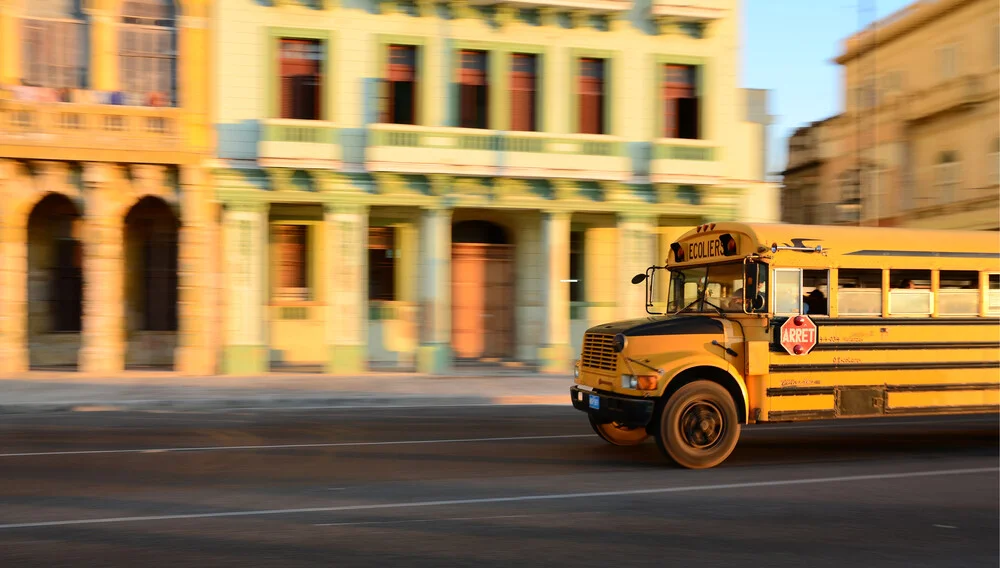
(736, 299)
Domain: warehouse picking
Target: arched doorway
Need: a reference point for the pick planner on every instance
(482, 276)
(151, 230)
(55, 283)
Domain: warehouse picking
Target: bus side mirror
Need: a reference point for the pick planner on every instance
(638, 278)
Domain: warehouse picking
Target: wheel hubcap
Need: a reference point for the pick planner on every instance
(702, 424)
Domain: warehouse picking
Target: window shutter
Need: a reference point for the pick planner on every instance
(523, 88)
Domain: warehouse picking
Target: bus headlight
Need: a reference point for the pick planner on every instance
(640, 382)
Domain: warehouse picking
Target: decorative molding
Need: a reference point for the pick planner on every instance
(566, 189)
(618, 191)
(440, 184)
(280, 178)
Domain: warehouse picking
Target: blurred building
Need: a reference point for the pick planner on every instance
(411, 184)
(807, 183)
(918, 144)
(104, 129)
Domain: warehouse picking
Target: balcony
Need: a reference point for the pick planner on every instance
(311, 144)
(91, 132)
(693, 11)
(403, 148)
(685, 162)
(957, 94)
(573, 156)
(462, 151)
(588, 6)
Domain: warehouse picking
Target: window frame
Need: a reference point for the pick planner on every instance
(985, 290)
(703, 68)
(612, 70)
(272, 39)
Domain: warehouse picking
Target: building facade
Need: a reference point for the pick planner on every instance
(104, 199)
(417, 185)
(919, 141)
(809, 195)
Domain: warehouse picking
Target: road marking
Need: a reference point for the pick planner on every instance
(946, 526)
(288, 446)
(421, 521)
(513, 499)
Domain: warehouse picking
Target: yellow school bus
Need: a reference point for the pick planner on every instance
(778, 323)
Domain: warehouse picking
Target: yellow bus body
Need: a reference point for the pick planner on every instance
(882, 350)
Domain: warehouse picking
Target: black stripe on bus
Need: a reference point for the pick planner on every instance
(788, 415)
(884, 322)
(827, 367)
(936, 387)
(923, 253)
(908, 346)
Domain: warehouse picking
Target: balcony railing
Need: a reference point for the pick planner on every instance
(299, 143)
(685, 161)
(465, 151)
(960, 92)
(596, 6)
(88, 132)
(691, 10)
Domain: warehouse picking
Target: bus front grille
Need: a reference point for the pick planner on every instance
(598, 352)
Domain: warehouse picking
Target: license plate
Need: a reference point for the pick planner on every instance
(595, 401)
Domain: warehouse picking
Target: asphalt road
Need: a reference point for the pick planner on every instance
(486, 486)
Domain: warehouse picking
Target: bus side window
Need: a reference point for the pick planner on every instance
(958, 293)
(993, 294)
(816, 290)
(787, 291)
(910, 292)
(859, 292)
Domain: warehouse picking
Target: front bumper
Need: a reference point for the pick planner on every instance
(628, 411)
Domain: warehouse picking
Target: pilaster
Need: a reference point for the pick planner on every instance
(346, 227)
(434, 353)
(194, 355)
(245, 239)
(13, 294)
(556, 354)
(637, 251)
(103, 340)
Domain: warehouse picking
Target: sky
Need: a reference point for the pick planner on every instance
(788, 48)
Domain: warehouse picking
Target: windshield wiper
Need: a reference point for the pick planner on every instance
(717, 308)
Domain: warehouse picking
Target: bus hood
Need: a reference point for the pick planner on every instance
(661, 325)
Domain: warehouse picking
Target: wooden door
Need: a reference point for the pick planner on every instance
(482, 301)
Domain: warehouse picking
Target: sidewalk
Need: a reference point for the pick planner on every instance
(65, 392)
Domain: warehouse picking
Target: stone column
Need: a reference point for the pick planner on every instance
(194, 355)
(434, 354)
(556, 355)
(637, 251)
(102, 349)
(346, 268)
(13, 293)
(245, 349)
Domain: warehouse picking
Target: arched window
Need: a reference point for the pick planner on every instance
(147, 49)
(54, 47)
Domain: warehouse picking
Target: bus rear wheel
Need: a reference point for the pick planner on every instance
(617, 434)
(699, 426)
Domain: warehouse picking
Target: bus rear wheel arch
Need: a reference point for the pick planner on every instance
(698, 425)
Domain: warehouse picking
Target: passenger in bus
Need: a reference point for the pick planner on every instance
(815, 303)
(908, 284)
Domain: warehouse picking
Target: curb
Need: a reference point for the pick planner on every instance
(355, 402)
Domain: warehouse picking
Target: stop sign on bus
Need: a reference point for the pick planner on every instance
(799, 335)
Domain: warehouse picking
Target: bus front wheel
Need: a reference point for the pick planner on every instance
(617, 435)
(699, 426)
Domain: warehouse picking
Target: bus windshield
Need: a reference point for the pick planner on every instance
(717, 287)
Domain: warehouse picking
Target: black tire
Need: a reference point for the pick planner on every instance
(698, 426)
(618, 435)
